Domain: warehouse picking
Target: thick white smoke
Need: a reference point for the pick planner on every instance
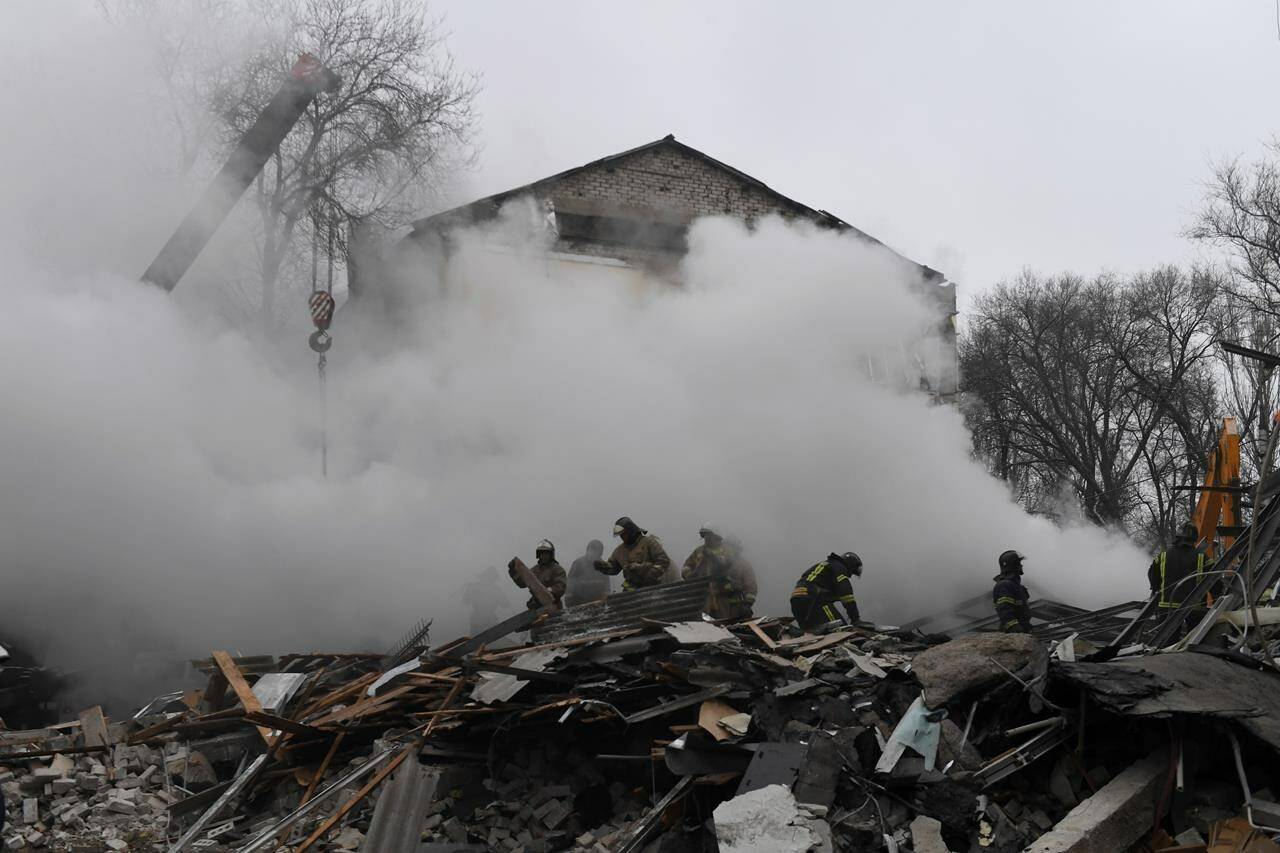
(161, 475)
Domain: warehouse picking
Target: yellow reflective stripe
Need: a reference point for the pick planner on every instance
(831, 613)
(816, 572)
(846, 599)
(1164, 556)
(841, 578)
(1004, 599)
(800, 590)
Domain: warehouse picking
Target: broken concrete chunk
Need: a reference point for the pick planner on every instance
(766, 820)
(926, 836)
(121, 806)
(949, 671)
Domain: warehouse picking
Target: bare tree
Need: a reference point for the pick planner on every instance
(1097, 390)
(1241, 215)
(371, 153)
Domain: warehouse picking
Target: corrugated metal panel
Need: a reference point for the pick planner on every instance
(683, 601)
(402, 806)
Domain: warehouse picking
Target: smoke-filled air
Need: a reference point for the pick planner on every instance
(162, 486)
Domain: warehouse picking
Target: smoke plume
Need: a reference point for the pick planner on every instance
(161, 469)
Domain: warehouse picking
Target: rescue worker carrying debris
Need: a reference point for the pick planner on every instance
(825, 584)
(548, 572)
(733, 580)
(1174, 565)
(1010, 596)
(585, 583)
(640, 559)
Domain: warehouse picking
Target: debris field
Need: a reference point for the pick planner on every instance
(634, 724)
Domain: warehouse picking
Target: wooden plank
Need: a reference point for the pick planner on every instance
(366, 706)
(769, 642)
(339, 694)
(710, 713)
(433, 677)
(383, 773)
(333, 821)
(461, 648)
(157, 729)
(532, 583)
(324, 766)
(241, 688)
(275, 723)
(94, 726)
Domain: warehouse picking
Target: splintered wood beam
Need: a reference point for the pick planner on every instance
(328, 825)
(241, 688)
(324, 766)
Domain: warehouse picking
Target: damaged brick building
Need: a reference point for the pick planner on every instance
(627, 216)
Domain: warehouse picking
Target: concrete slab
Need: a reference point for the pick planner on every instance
(1113, 818)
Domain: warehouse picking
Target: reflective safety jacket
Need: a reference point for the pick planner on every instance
(1010, 598)
(642, 563)
(733, 580)
(1171, 567)
(552, 576)
(830, 581)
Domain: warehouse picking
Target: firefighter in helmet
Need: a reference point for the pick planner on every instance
(822, 587)
(1010, 597)
(1174, 565)
(733, 579)
(640, 559)
(548, 572)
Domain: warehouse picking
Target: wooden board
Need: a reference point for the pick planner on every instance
(235, 679)
(768, 641)
(710, 713)
(531, 581)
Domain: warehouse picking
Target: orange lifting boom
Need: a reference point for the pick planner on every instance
(1219, 503)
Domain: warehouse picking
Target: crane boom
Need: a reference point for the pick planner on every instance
(1219, 503)
(308, 78)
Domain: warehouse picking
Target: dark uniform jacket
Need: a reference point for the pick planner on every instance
(551, 576)
(819, 589)
(585, 583)
(733, 580)
(1010, 598)
(642, 563)
(1171, 566)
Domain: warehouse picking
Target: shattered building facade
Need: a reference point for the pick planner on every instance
(626, 218)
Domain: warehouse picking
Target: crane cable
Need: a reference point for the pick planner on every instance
(322, 305)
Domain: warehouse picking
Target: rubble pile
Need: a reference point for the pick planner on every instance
(617, 730)
(114, 800)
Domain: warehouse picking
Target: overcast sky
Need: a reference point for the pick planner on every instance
(979, 138)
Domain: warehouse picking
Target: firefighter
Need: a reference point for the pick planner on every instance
(585, 583)
(548, 572)
(640, 559)
(1173, 565)
(1010, 596)
(822, 587)
(733, 579)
